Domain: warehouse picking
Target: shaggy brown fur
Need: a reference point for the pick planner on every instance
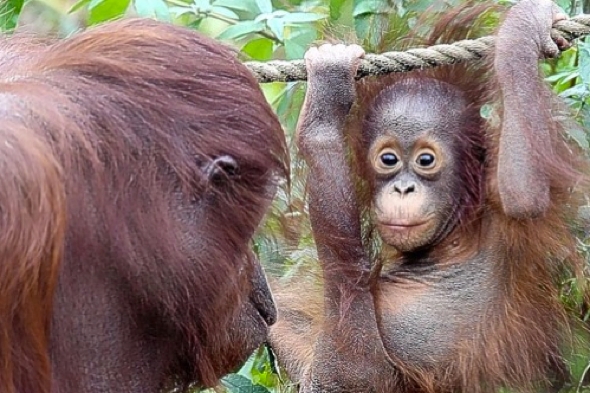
(137, 160)
(476, 308)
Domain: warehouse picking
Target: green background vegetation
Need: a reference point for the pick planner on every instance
(283, 29)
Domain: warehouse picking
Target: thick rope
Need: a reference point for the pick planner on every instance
(384, 63)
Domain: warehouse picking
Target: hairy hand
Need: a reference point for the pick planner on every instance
(339, 59)
(331, 70)
(533, 20)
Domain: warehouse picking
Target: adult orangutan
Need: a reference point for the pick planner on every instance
(137, 160)
(472, 215)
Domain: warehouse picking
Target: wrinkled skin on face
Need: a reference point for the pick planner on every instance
(412, 154)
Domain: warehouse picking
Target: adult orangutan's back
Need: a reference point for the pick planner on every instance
(124, 152)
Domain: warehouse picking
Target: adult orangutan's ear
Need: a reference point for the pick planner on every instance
(222, 167)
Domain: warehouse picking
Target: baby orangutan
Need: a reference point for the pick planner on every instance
(472, 214)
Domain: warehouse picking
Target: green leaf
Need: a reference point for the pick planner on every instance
(259, 49)
(195, 24)
(301, 17)
(565, 5)
(420, 6)
(584, 61)
(585, 121)
(370, 28)
(298, 40)
(236, 383)
(562, 76)
(335, 8)
(104, 10)
(202, 5)
(277, 26)
(79, 4)
(370, 7)
(486, 111)
(580, 137)
(249, 6)
(289, 105)
(261, 371)
(153, 9)
(224, 11)
(9, 12)
(580, 90)
(264, 6)
(178, 11)
(241, 29)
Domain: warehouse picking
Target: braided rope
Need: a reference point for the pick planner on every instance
(384, 63)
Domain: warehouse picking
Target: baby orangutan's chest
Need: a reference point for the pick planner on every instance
(424, 319)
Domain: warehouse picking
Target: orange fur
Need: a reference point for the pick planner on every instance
(517, 341)
(123, 264)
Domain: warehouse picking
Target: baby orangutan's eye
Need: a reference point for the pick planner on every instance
(426, 160)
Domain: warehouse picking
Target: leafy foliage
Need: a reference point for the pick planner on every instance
(9, 12)
(283, 29)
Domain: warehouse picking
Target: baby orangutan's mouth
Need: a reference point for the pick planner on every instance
(402, 225)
